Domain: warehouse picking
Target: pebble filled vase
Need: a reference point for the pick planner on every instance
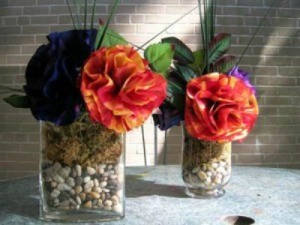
(81, 172)
(206, 166)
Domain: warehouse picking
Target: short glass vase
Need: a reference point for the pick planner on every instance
(81, 172)
(206, 166)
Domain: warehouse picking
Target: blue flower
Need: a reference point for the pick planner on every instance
(168, 117)
(52, 76)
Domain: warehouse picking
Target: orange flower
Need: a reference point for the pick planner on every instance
(118, 88)
(219, 108)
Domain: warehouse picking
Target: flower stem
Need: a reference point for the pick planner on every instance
(77, 6)
(147, 42)
(98, 45)
(93, 14)
(71, 15)
(10, 89)
(255, 32)
(85, 14)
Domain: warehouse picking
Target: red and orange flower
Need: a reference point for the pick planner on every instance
(119, 89)
(219, 108)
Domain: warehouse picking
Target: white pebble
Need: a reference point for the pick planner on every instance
(87, 190)
(74, 173)
(72, 202)
(108, 173)
(103, 184)
(115, 200)
(97, 189)
(120, 178)
(72, 192)
(209, 173)
(88, 185)
(208, 181)
(78, 189)
(108, 208)
(113, 176)
(108, 203)
(86, 179)
(70, 181)
(55, 193)
(117, 208)
(218, 181)
(78, 170)
(101, 171)
(78, 200)
(56, 166)
(105, 190)
(222, 163)
(196, 169)
(215, 165)
(96, 182)
(120, 194)
(64, 204)
(58, 179)
(90, 170)
(202, 175)
(63, 187)
(53, 184)
(64, 173)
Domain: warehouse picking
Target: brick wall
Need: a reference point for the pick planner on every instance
(273, 59)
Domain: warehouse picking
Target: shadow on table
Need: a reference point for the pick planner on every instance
(23, 199)
(137, 187)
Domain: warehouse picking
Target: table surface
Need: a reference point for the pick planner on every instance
(155, 195)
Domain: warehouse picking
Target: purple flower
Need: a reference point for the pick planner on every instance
(236, 72)
(52, 76)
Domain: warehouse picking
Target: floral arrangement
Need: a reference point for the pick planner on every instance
(97, 71)
(93, 71)
(206, 88)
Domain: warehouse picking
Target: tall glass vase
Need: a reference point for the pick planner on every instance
(81, 172)
(206, 166)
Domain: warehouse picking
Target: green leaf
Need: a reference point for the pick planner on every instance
(178, 101)
(182, 52)
(218, 47)
(175, 88)
(185, 72)
(199, 62)
(224, 64)
(176, 95)
(17, 101)
(111, 38)
(159, 56)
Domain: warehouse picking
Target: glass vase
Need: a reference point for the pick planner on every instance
(81, 172)
(206, 166)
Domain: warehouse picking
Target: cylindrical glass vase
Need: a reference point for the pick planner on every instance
(206, 166)
(81, 172)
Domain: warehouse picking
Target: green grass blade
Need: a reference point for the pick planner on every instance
(93, 14)
(71, 15)
(255, 32)
(147, 42)
(107, 23)
(85, 14)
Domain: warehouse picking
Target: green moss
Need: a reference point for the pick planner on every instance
(82, 142)
(198, 152)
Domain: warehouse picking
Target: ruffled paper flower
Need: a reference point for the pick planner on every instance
(118, 88)
(219, 108)
(52, 74)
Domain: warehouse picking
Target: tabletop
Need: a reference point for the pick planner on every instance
(155, 195)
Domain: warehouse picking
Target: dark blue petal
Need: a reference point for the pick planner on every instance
(52, 74)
